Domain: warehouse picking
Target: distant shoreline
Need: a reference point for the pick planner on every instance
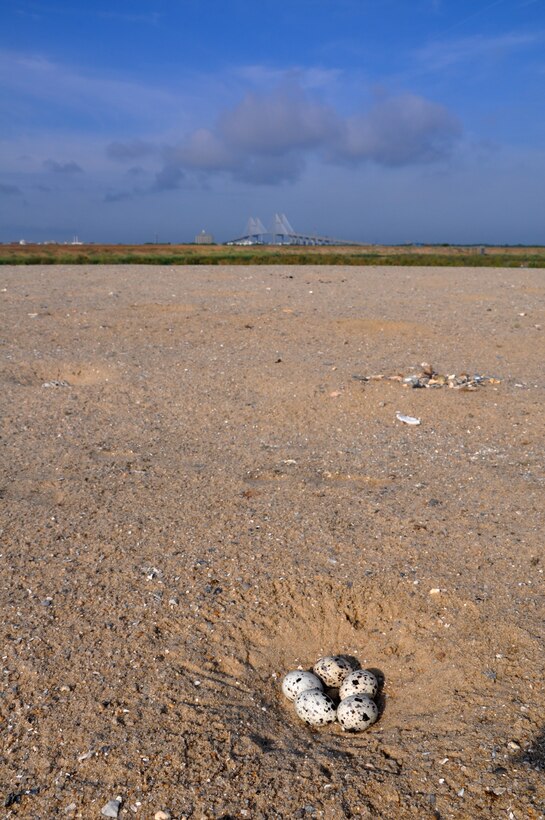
(425, 255)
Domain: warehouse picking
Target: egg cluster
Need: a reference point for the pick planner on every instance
(336, 689)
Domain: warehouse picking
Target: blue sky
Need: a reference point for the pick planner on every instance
(370, 120)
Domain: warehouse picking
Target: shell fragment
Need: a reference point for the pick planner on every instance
(408, 419)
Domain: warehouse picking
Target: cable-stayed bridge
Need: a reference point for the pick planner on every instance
(280, 233)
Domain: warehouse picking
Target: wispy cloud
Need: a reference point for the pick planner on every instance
(9, 190)
(307, 77)
(135, 171)
(151, 19)
(120, 196)
(129, 151)
(169, 178)
(445, 53)
(95, 96)
(37, 11)
(67, 168)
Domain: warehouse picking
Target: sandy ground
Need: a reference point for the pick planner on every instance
(203, 497)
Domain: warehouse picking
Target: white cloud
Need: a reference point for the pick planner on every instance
(268, 137)
(400, 130)
(254, 124)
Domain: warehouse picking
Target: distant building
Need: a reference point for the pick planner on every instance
(204, 238)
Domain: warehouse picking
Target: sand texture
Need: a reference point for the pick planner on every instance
(198, 496)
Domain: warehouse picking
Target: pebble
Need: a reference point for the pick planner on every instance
(162, 815)
(111, 809)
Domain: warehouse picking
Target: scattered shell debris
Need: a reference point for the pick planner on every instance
(349, 697)
(429, 377)
(56, 383)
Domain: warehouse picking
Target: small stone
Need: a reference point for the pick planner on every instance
(70, 809)
(162, 815)
(111, 809)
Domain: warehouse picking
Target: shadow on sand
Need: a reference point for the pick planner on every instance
(534, 755)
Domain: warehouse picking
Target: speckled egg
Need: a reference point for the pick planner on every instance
(332, 670)
(296, 682)
(315, 707)
(360, 682)
(357, 712)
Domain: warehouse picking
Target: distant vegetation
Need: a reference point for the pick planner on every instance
(449, 255)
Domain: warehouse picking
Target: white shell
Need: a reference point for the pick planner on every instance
(360, 682)
(357, 712)
(332, 670)
(408, 419)
(315, 707)
(296, 682)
